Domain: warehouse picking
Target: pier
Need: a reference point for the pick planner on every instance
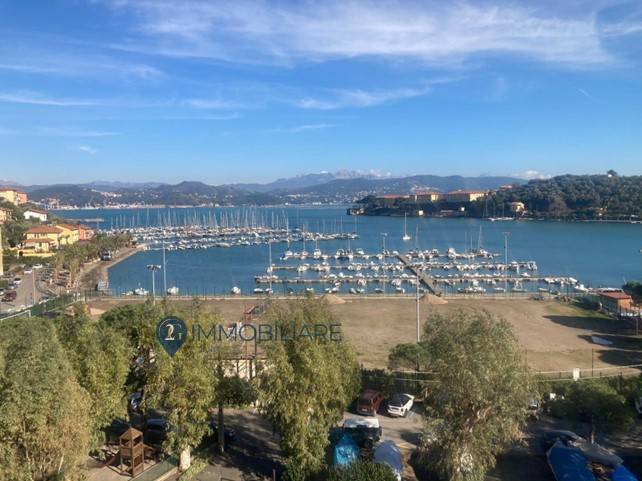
(425, 279)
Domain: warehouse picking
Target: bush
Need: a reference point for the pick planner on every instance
(198, 465)
(361, 471)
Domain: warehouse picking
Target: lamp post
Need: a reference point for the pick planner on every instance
(506, 234)
(385, 277)
(153, 268)
(417, 300)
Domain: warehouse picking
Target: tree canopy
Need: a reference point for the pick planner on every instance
(44, 412)
(101, 359)
(479, 392)
(306, 383)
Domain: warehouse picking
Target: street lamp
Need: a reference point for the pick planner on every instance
(385, 276)
(153, 268)
(506, 234)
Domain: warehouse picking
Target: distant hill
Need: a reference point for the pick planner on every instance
(67, 194)
(304, 181)
(345, 186)
(361, 187)
(607, 196)
(109, 186)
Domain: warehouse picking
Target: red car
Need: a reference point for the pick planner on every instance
(9, 296)
(369, 402)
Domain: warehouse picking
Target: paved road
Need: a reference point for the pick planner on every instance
(25, 290)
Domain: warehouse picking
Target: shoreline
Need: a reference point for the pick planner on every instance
(98, 270)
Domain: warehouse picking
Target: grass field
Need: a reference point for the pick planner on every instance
(555, 336)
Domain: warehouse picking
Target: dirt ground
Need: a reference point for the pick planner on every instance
(555, 336)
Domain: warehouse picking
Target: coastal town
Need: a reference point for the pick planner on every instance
(273, 240)
(55, 266)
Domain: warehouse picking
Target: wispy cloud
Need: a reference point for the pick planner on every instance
(433, 32)
(86, 149)
(586, 94)
(73, 132)
(211, 104)
(34, 98)
(339, 98)
(301, 128)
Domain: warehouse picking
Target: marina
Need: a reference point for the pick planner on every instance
(209, 251)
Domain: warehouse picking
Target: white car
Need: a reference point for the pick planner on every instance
(400, 404)
(27, 271)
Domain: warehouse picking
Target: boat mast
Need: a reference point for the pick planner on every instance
(164, 270)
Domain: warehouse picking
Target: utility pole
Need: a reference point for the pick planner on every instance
(417, 301)
(164, 271)
(385, 276)
(506, 234)
(1, 254)
(153, 268)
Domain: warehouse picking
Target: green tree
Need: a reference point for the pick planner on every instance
(596, 402)
(361, 471)
(44, 412)
(306, 383)
(185, 387)
(101, 359)
(480, 398)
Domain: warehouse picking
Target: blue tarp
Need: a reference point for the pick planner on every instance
(622, 474)
(346, 451)
(568, 464)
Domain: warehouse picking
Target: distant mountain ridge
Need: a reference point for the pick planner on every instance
(345, 186)
(404, 185)
(308, 180)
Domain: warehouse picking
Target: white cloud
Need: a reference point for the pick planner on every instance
(432, 32)
(586, 94)
(302, 128)
(533, 175)
(86, 149)
(211, 104)
(33, 98)
(338, 98)
(74, 132)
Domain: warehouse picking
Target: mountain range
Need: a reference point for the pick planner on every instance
(339, 187)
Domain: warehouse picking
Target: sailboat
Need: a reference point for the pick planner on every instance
(405, 237)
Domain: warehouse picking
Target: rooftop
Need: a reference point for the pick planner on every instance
(44, 229)
(616, 295)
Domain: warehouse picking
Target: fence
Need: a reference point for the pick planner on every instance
(41, 309)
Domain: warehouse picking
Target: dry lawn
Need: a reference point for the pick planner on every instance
(555, 336)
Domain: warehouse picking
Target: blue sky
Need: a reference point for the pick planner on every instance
(160, 90)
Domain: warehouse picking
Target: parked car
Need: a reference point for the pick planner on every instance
(365, 431)
(369, 402)
(155, 431)
(27, 271)
(9, 296)
(2, 291)
(400, 404)
(229, 435)
(115, 430)
(17, 281)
